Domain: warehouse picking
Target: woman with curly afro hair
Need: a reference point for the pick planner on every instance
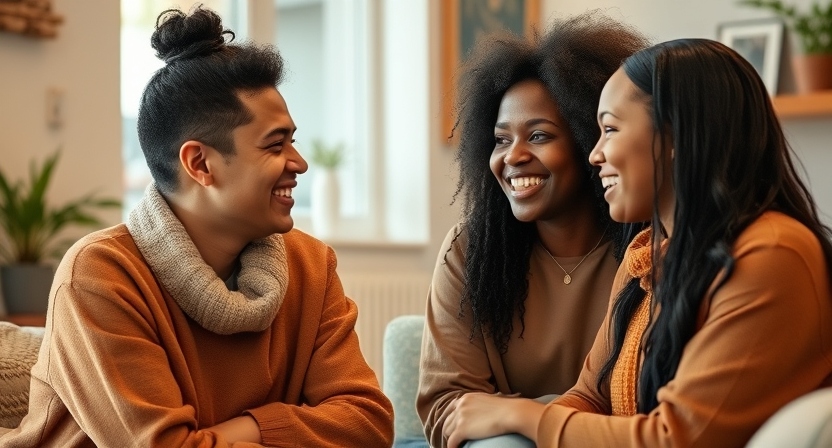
(522, 283)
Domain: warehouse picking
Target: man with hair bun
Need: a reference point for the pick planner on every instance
(205, 320)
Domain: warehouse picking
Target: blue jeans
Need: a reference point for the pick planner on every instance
(502, 441)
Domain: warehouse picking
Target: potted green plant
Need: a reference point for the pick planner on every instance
(326, 195)
(326, 156)
(30, 227)
(813, 65)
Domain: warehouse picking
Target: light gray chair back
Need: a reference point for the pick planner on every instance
(804, 423)
(402, 348)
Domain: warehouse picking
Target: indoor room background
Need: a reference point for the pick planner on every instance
(401, 181)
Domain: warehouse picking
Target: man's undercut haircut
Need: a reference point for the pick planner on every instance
(195, 95)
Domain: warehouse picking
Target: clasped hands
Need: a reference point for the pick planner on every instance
(478, 415)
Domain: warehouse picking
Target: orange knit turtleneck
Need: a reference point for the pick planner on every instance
(624, 377)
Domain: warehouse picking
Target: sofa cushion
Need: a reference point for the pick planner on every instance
(18, 352)
(806, 422)
(402, 348)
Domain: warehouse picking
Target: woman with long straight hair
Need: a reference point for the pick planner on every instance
(721, 310)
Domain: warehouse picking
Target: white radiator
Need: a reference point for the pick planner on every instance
(380, 298)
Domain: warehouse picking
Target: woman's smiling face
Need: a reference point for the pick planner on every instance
(534, 157)
(627, 152)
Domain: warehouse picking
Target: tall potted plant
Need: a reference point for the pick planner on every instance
(326, 194)
(29, 230)
(813, 66)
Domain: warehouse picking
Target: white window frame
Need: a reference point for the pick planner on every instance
(397, 125)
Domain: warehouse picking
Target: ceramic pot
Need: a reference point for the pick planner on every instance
(326, 203)
(812, 72)
(26, 287)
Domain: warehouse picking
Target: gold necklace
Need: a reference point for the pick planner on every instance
(567, 278)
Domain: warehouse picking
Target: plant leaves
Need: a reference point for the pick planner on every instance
(814, 28)
(31, 224)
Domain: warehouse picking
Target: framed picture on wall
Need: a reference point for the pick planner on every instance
(463, 21)
(760, 42)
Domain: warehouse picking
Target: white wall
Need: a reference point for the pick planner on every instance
(810, 140)
(663, 20)
(83, 61)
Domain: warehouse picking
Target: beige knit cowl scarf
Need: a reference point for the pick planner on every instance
(202, 295)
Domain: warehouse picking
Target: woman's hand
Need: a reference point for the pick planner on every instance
(238, 429)
(478, 415)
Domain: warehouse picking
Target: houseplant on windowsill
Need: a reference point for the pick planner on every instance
(812, 68)
(326, 194)
(29, 229)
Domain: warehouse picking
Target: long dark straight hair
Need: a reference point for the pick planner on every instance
(731, 163)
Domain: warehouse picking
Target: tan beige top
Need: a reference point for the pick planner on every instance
(561, 323)
(122, 365)
(764, 339)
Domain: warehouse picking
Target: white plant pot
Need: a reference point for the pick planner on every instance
(326, 203)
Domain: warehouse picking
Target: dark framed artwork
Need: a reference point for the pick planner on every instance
(463, 21)
(760, 42)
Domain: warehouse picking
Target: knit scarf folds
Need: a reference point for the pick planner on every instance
(202, 295)
(624, 377)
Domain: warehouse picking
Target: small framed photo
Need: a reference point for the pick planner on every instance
(758, 41)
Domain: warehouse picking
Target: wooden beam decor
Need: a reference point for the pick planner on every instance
(33, 18)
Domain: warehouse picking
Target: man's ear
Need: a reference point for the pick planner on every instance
(193, 156)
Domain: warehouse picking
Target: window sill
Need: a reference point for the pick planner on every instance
(362, 234)
(340, 243)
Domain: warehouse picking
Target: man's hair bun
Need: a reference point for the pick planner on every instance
(181, 36)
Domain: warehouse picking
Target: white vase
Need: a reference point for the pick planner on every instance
(326, 203)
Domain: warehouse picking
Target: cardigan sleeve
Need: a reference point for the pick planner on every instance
(344, 405)
(451, 363)
(764, 340)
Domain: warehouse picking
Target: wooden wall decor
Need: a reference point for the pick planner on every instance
(33, 18)
(462, 22)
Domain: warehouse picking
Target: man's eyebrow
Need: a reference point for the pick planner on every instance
(279, 131)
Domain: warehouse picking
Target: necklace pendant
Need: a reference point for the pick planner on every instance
(567, 279)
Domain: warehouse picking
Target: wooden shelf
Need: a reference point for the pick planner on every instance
(811, 105)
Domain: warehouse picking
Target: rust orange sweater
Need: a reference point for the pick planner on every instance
(122, 365)
(764, 339)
